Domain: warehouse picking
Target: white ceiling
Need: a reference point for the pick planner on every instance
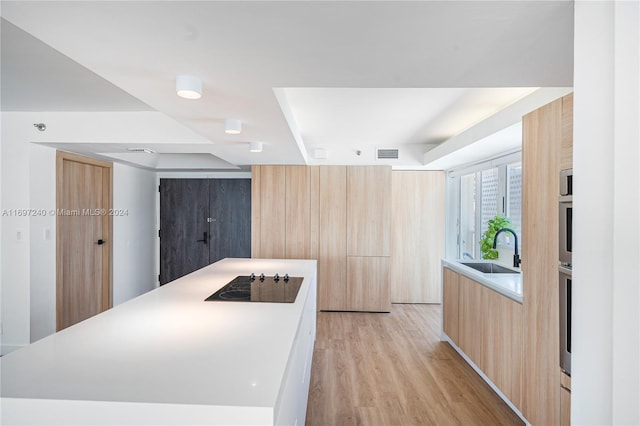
(344, 76)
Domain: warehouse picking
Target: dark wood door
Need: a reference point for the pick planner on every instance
(201, 222)
(184, 229)
(230, 213)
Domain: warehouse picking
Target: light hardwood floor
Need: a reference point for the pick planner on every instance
(391, 369)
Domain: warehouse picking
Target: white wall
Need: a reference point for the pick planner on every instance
(134, 234)
(606, 296)
(15, 266)
(27, 181)
(42, 253)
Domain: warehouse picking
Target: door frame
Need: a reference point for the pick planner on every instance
(107, 224)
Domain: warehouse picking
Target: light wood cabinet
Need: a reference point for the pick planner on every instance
(487, 326)
(502, 346)
(297, 203)
(368, 211)
(417, 237)
(472, 323)
(566, 146)
(316, 212)
(565, 407)
(450, 312)
(332, 251)
(368, 283)
(282, 223)
(272, 212)
(542, 136)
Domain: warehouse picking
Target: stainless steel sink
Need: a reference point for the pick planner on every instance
(489, 268)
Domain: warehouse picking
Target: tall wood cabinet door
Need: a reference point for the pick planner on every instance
(472, 322)
(272, 212)
(418, 224)
(503, 344)
(256, 211)
(368, 283)
(332, 244)
(450, 313)
(566, 147)
(565, 407)
(297, 202)
(369, 211)
(542, 133)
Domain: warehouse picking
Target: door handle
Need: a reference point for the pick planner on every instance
(204, 238)
(101, 242)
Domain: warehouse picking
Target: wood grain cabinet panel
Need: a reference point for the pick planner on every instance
(503, 344)
(566, 147)
(256, 211)
(297, 201)
(450, 312)
(542, 135)
(472, 321)
(565, 407)
(418, 225)
(272, 212)
(368, 283)
(369, 211)
(332, 243)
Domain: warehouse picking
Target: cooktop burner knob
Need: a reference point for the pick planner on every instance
(286, 278)
(252, 277)
(262, 277)
(276, 277)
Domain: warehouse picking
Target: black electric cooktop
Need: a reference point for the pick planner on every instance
(254, 288)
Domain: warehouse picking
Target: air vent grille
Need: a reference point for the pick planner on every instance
(387, 154)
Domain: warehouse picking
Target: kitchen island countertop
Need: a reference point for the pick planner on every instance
(167, 357)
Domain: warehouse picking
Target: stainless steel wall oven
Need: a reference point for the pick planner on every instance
(565, 319)
(565, 272)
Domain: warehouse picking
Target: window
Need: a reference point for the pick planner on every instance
(486, 190)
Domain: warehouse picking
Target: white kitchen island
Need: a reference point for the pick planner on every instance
(168, 357)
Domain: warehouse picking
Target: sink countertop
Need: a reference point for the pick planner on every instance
(509, 285)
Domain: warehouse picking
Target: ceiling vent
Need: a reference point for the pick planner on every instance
(387, 154)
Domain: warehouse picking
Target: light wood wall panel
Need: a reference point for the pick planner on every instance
(314, 207)
(368, 211)
(417, 237)
(542, 135)
(256, 211)
(297, 202)
(503, 344)
(450, 312)
(332, 250)
(368, 283)
(566, 149)
(272, 212)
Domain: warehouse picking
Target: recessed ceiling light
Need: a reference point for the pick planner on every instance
(255, 146)
(189, 86)
(145, 150)
(232, 126)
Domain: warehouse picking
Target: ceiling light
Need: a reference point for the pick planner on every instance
(188, 86)
(255, 146)
(232, 126)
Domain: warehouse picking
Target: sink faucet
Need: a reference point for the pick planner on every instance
(516, 257)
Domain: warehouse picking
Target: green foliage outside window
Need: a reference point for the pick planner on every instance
(486, 242)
